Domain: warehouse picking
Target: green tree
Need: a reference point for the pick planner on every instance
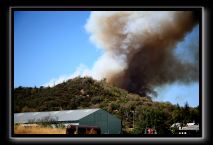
(152, 118)
(186, 113)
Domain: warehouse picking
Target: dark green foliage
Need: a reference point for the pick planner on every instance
(151, 117)
(88, 93)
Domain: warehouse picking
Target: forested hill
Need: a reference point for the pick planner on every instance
(88, 93)
(76, 93)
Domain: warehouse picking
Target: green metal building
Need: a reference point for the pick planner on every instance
(108, 123)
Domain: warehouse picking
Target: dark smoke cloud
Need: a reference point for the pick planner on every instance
(144, 42)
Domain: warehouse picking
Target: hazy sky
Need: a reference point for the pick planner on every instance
(53, 46)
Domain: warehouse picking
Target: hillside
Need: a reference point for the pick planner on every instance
(88, 93)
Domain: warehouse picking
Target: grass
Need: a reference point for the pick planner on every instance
(38, 130)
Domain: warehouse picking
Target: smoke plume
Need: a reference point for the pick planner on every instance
(140, 48)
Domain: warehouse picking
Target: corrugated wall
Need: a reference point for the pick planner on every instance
(108, 123)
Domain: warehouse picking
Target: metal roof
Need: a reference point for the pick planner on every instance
(65, 115)
(191, 127)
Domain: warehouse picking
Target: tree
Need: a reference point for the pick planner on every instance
(152, 118)
(186, 113)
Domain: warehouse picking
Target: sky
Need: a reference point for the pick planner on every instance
(50, 47)
(50, 44)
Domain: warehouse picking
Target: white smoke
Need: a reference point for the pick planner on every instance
(80, 70)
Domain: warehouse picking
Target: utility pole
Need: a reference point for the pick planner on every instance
(133, 112)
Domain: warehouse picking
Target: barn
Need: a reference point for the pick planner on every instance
(108, 123)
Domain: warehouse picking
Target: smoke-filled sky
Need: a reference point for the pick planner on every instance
(149, 53)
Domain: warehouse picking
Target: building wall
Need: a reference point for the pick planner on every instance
(108, 123)
(114, 124)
